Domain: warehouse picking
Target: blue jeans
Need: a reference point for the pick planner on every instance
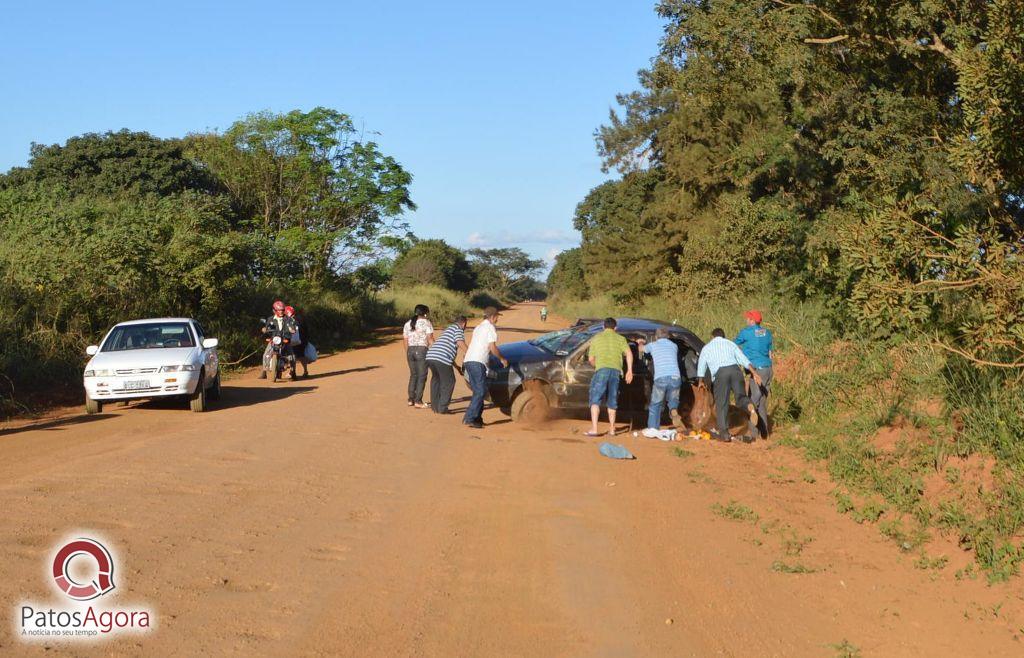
(476, 373)
(605, 385)
(664, 388)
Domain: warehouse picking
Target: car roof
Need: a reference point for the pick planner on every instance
(649, 326)
(149, 320)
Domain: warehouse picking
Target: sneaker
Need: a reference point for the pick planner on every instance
(476, 424)
(677, 420)
(753, 414)
(745, 438)
(715, 436)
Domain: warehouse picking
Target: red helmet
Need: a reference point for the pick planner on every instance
(288, 310)
(279, 305)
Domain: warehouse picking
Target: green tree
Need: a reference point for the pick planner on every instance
(434, 262)
(306, 179)
(504, 272)
(568, 277)
(869, 157)
(628, 239)
(114, 163)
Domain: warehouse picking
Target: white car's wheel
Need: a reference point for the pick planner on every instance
(198, 400)
(214, 392)
(92, 406)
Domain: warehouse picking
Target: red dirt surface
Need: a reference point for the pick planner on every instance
(325, 517)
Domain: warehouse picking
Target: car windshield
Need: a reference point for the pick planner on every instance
(562, 342)
(149, 335)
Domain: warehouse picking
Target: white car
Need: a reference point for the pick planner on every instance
(153, 358)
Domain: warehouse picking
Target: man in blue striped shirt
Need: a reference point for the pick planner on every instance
(667, 379)
(726, 362)
(441, 360)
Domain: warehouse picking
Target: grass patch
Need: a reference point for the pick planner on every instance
(924, 562)
(735, 511)
(682, 453)
(779, 566)
(846, 649)
(397, 304)
(699, 477)
(869, 513)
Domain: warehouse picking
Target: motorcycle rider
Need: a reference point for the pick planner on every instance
(279, 323)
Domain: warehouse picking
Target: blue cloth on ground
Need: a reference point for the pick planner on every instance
(615, 451)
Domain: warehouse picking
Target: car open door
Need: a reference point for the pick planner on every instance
(578, 373)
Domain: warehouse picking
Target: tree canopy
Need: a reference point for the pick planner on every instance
(434, 262)
(119, 225)
(866, 154)
(309, 180)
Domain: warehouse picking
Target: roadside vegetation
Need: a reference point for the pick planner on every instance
(296, 206)
(858, 176)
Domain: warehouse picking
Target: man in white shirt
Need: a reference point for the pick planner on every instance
(483, 345)
(725, 362)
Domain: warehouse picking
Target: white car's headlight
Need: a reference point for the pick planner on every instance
(184, 368)
(90, 373)
(99, 373)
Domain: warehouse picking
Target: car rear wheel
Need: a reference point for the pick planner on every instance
(197, 402)
(92, 406)
(530, 407)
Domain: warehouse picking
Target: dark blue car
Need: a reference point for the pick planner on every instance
(552, 371)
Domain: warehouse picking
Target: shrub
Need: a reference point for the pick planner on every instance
(396, 305)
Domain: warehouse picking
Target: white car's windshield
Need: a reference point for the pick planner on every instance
(148, 336)
(562, 342)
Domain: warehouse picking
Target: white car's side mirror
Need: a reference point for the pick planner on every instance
(210, 343)
(92, 350)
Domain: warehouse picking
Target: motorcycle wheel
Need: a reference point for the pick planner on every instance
(273, 368)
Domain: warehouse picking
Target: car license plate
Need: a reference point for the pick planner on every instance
(136, 385)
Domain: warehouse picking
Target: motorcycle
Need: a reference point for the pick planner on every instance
(279, 356)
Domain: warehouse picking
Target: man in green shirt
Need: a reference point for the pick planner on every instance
(606, 352)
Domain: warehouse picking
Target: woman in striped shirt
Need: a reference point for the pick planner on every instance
(418, 335)
(440, 360)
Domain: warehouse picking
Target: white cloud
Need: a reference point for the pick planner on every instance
(509, 238)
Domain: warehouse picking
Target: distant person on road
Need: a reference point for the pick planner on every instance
(605, 354)
(280, 323)
(418, 335)
(441, 362)
(544, 314)
(725, 363)
(667, 379)
(757, 344)
(300, 339)
(482, 347)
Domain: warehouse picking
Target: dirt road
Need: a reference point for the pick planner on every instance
(324, 517)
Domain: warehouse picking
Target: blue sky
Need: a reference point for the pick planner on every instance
(491, 106)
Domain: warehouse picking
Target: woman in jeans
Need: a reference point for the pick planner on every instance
(418, 335)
